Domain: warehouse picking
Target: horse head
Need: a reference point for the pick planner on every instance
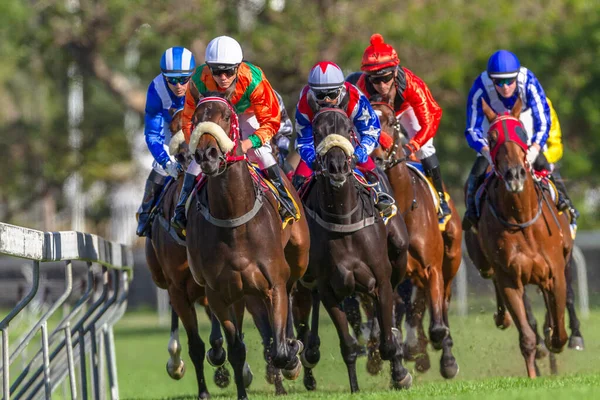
(215, 138)
(178, 147)
(391, 133)
(332, 132)
(508, 146)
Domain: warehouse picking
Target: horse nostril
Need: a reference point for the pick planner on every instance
(509, 174)
(212, 153)
(522, 172)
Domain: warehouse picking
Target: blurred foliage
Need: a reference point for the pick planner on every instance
(447, 44)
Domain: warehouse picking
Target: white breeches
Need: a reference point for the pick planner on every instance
(409, 121)
(157, 167)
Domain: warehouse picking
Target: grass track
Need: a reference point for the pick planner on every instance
(491, 365)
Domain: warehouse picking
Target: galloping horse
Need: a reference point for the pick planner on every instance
(522, 239)
(236, 245)
(434, 252)
(167, 260)
(352, 250)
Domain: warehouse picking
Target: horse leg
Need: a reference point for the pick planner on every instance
(448, 365)
(555, 334)
(541, 351)
(260, 315)
(512, 293)
(576, 339)
(301, 306)
(284, 352)
(236, 348)
(352, 309)
(175, 365)
(501, 317)
(419, 305)
(187, 312)
(348, 345)
(437, 329)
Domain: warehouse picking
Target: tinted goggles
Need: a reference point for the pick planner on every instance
(332, 94)
(174, 80)
(504, 81)
(228, 71)
(374, 79)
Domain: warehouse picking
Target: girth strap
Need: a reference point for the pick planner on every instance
(340, 228)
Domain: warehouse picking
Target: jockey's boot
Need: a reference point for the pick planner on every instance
(385, 202)
(431, 165)
(287, 208)
(154, 186)
(179, 220)
(564, 201)
(470, 217)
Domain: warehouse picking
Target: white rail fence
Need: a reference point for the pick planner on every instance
(85, 333)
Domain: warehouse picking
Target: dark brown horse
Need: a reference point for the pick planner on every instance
(434, 251)
(522, 239)
(236, 245)
(352, 249)
(166, 257)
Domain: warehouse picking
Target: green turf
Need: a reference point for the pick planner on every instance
(491, 365)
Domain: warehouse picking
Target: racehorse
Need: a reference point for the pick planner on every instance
(352, 250)
(434, 252)
(522, 239)
(167, 260)
(236, 245)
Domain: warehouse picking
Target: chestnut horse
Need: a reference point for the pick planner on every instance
(434, 253)
(167, 260)
(352, 250)
(236, 245)
(522, 239)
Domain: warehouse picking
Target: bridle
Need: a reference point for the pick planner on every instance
(390, 160)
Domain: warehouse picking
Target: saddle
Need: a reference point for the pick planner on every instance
(417, 167)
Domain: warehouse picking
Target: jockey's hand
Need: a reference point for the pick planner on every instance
(173, 168)
(360, 152)
(485, 151)
(407, 151)
(532, 153)
(246, 145)
(283, 144)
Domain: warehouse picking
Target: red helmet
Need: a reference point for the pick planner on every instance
(325, 75)
(379, 56)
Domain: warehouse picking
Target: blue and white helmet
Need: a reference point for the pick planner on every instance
(177, 61)
(503, 64)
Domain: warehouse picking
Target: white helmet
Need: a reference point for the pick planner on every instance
(325, 75)
(223, 50)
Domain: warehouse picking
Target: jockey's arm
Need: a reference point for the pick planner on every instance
(266, 109)
(305, 143)
(536, 100)
(368, 127)
(427, 111)
(153, 127)
(475, 116)
(191, 99)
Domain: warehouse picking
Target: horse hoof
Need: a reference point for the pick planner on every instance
(309, 381)
(374, 362)
(449, 369)
(576, 343)
(541, 351)
(404, 383)
(293, 373)
(216, 360)
(309, 358)
(502, 321)
(422, 363)
(175, 371)
(222, 377)
(248, 375)
(437, 336)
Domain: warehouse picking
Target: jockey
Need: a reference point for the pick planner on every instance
(415, 107)
(327, 88)
(283, 136)
(166, 91)
(256, 103)
(500, 86)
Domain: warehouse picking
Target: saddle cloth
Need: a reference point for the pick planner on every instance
(417, 167)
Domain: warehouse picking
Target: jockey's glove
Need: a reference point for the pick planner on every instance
(173, 168)
(283, 144)
(532, 154)
(361, 154)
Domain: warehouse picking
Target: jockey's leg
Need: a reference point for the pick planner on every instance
(385, 202)
(179, 220)
(560, 185)
(477, 172)
(301, 175)
(431, 165)
(154, 185)
(540, 164)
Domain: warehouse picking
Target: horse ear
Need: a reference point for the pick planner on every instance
(492, 138)
(487, 110)
(516, 110)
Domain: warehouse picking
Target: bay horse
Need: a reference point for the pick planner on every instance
(166, 257)
(522, 239)
(236, 245)
(352, 250)
(434, 252)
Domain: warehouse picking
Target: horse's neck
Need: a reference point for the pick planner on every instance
(231, 193)
(337, 201)
(401, 179)
(521, 207)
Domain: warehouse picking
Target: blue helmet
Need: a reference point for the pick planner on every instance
(503, 64)
(177, 61)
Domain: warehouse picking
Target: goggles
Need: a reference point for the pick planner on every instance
(228, 71)
(174, 80)
(504, 81)
(375, 79)
(330, 94)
